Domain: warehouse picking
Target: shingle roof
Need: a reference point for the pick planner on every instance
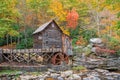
(42, 27)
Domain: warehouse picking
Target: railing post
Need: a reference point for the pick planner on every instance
(1, 55)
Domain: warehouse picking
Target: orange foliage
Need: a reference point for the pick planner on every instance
(81, 41)
(72, 18)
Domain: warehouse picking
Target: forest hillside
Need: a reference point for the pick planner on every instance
(81, 19)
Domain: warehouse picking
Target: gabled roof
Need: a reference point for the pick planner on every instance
(42, 27)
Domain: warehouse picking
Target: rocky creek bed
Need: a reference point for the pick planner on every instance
(99, 62)
(92, 69)
(97, 74)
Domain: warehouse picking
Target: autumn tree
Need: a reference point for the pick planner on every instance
(58, 10)
(8, 17)
(72, 19)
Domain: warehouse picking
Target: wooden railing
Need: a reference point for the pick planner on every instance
(28, 55)
(31, 50)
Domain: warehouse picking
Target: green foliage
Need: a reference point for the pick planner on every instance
(74, 33)
(118, 53)
(112, 42)
(8, 15)
(33, 73)
(118, 14)
(118, 25)
(86, 51)
(3, 31)
(9, 72)
(112, 1)
(37, 5)
(78, 49)
(78, 68)
(88, 34)
(25, 42)
(2, 41)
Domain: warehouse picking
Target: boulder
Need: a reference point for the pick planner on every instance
(96, 40)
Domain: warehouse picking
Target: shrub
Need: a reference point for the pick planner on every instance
(118, 53)
(78, 68)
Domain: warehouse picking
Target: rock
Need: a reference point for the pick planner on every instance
(86, 78)
(66, 73)
(87, 50)
(29, 77)
(114, 75)
(91, 78)
(93, 74)
(60, 78)
(93, 49)
(48, 73)
(102, 71)
(75, 76)
(109, 78)
(51, 70)
(90, 46)
(96, 40)
(75, 64)
(54, 75)
(77, 59)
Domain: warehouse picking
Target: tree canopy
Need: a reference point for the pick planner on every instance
(81, 19)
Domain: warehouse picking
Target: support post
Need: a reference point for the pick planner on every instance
(1, 55)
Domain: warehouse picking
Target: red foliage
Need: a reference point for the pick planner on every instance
(72, 18)
(98, 49)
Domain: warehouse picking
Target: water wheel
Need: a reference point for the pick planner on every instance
(58, 58)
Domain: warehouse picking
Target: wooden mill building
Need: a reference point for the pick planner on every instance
(49, 35)
(50, 43)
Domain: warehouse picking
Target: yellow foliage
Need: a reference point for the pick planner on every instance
(87, 20)
(109, 7)
(57, 8)
(113, 22)
(117, 37)
(65, 31)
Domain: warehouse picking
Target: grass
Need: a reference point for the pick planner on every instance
(33, 73)
(9, 72)
(78, 68)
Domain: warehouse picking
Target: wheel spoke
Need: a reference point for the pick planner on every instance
(58, 59)
(58, 62)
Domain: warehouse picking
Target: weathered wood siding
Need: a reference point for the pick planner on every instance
(52, 37)
(67, 44)
(37, 40)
